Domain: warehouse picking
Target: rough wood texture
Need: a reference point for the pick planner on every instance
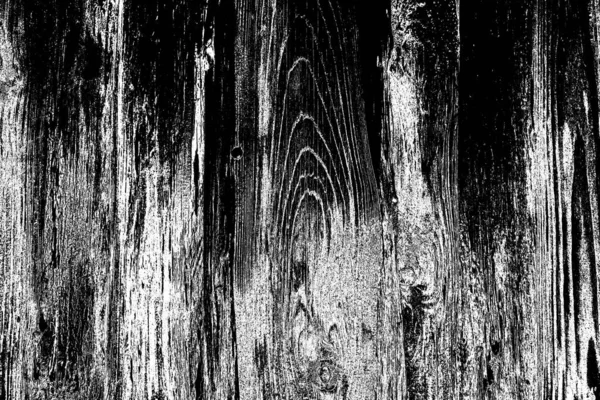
(260, 199)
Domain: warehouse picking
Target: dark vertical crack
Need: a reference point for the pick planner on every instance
(219, 199)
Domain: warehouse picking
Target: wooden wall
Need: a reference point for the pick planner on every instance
(316, 199)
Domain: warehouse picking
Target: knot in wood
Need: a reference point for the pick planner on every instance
(328, 376)
(325, 374)
(236, 153)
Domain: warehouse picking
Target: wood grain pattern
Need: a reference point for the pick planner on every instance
(314, 199)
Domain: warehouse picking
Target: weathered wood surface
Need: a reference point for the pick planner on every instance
(262, 199)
